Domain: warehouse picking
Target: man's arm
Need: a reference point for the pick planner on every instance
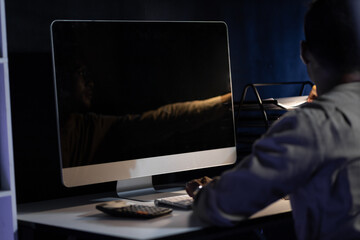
(280, 162)
(205, 109)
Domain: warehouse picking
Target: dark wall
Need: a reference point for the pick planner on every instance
(264, 43)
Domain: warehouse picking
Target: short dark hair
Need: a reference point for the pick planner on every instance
(332, 33)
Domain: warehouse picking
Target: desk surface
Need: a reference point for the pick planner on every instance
(80, 214)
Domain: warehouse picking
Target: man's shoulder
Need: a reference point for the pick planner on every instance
(305, 123)
(310, 113)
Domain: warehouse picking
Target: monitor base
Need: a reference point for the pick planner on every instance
(142, 189)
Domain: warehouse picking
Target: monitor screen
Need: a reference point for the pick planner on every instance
(141, 98)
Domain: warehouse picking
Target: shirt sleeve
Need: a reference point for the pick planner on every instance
(181, 118)
(206, 109)
(283, 159)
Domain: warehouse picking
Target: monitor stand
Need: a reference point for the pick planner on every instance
(142, 189)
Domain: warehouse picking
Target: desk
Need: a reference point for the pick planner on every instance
(77, 217)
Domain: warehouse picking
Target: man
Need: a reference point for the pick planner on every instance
(312, 153)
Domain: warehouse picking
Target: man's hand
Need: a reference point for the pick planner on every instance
(313, 94)
(192, 187)
(226, 98)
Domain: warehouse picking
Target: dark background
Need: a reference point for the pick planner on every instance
(264, 42)
(141, 66)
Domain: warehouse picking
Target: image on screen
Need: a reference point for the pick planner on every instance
(137, 90)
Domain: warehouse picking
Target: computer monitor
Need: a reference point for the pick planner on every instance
(141, 98)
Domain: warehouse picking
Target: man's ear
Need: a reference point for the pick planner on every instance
(304, 52)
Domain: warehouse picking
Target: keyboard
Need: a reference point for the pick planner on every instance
(181, 201)
(133, 210)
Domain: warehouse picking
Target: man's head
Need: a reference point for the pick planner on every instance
(331, 49)
(76, 84)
